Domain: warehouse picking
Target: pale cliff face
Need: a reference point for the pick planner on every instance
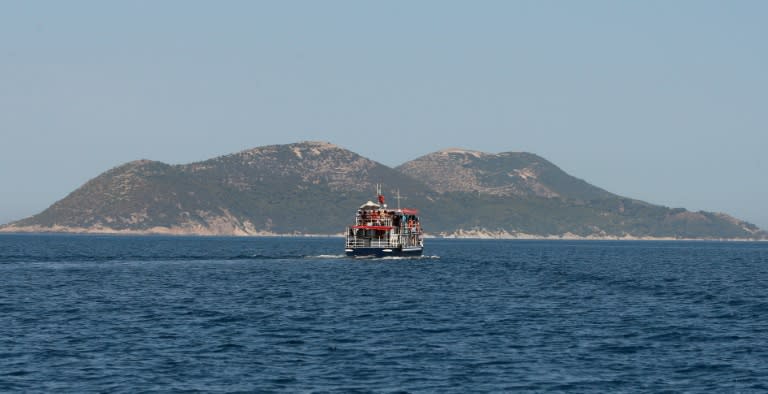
(463, 170)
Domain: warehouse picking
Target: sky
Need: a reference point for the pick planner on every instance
(662, 101)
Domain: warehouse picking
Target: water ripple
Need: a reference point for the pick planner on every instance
(127, 314)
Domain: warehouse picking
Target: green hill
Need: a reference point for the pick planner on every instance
(315, 188)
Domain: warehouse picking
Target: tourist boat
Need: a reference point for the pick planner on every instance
(379, 231)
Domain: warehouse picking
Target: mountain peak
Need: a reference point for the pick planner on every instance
(298, 148)
(502, 174)
(318, 144)
(312, 186)
(312, 148)
(139, 162)
(461, 151)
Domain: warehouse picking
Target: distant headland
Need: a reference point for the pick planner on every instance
(308, 188)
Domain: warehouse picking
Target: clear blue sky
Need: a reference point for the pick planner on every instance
(664, 101)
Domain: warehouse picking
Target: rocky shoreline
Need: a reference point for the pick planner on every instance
(459, 234)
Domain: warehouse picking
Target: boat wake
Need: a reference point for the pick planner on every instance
(396, 258)
(342, 256)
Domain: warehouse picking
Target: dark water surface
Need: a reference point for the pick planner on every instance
(138, 314)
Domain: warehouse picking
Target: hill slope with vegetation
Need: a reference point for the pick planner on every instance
(315, 188)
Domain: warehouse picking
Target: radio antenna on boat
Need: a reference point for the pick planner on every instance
(380, 196)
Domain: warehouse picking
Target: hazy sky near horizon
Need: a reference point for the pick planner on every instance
(663, 101)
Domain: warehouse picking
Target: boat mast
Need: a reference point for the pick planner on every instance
(380, 196)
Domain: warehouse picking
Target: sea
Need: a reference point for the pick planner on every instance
(134, 314)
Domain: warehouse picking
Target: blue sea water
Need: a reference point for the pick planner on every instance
(167, 314)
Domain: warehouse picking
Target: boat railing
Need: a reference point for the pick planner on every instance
(370, 221)
(410, 240)
(406, 238)
(360, 242)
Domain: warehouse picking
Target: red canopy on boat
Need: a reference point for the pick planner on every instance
(384, 228)
(410, 211)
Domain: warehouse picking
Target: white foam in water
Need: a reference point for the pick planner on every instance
(406, 257)
(342, 256)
